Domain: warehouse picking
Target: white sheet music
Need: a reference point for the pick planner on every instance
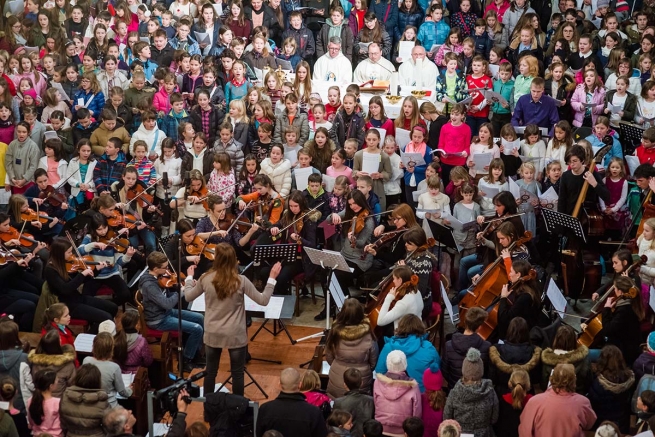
(416, 194)
(633, 163)
(84, 342)
(371, 162)
(301, 175)
(329, 183)
(222, 390)
(383, 135)
(449, 306)
(556, 298)
(337, 292)
(160, 429)
(271, 311)
(128, 379)
(403, 138)
(514, 188)
(482, 160)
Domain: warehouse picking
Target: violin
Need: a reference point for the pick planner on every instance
(169, 279)
(26, 240)
(242, 223)
(30, 216)
(144, 199)
(81, 263)
(114, 240)
(198, 246)
(12, 255)
(127, 220)
(494, 224)
(52, 196)
(200, 194)
(357, 226)
(384, 238)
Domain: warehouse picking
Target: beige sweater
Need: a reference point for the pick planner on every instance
(225, 320)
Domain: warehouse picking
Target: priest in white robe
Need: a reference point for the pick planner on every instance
(419, 71)
(375, 67)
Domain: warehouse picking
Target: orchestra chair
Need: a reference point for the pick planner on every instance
(298, 282)
(161, 342)
(105, 292)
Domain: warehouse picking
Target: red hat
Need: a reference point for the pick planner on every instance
(30, 92)
(432, 380)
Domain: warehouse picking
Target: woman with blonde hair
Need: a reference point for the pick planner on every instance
(225, 315)
(511, 404)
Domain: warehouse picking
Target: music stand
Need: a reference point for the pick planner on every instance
(558, 220)
(443, 234)
(331, 261)
(286, 312)
(275, 252)
(631, 132)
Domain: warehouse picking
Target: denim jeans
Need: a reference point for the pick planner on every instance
(469, 266)
(237, 366)
(192, 324)
(148, 238)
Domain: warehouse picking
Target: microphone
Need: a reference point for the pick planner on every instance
(164, 182)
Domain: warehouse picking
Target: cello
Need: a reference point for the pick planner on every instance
(490, 284)
(574, 258)
(595, 321)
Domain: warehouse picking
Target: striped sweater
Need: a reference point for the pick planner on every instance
(146, 170)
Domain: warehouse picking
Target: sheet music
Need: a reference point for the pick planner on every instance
(336, 292)
(453, 222)
(514, 188)
(286, 65)
(202, 37)
(58, 87)
(223, 389)
(403, 138)
(633, 163)
(329, 183)
(417, 194)
(271, 311)
(412, 159)
(510, 146)
(481, 160)
(160, 429)
(494, 70)
(50, 135)
(84, 343)
(449, 306)
(383, 135)
(495, 97)
(301, 175)
(371, 162)
(405, 50)
(4, 406)
(550, 196)
(490, 192)
(614, 109)
(556, 298)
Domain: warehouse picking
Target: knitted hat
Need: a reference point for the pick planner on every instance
(432, 380)
(449, 423)
(107, 326)
(396, 361)
(473, 368)
(606, 431)
(603, 4)
(30, 92)
(650, 343)
(621, 6)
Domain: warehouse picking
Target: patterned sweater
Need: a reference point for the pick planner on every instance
(146, 170)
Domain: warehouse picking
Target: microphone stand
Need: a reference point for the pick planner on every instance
(178, 288)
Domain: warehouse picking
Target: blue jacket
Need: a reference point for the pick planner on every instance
(94, 105)
(419, 170)
(193, 47)
(169, 123)
(505, 90)
(420, 354)
(390, 19)
(431, 33)
(408, 19)
(615, 152)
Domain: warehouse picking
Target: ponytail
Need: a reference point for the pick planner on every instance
(54, 311)
(518, 397)
(519, 384)
(42, 382)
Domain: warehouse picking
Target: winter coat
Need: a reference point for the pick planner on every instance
(611, 400)
(94, 105)
(355, 348)
(456, 349)
(279, 173)
(515, 57)
(385, 43)
(341, 131)
(120, 79)
(431, 33)
(319, 399)
(615, 152)
(644, 365)
(550, 414)
(304, 41)
(579, 97)
(224, 411)
(396, 398)
(138, 354)
(578, 357)
(360, 405)
(406, 18)
(420, 354)
(291, 415)
(508, 417)
(7, 425)
(563, 92)
(163, 57)
(269, 20)
(101, 135)
(474, 406)
(460, 87)
(153, 138)
(192, 46)
(386, 13)
(234, 149)
(621, 327)
(63, 364)
(81, 411)
(11, 361)
(629, 107)
(512, 17)
(346, 35)
(282, 122)
(216, 117)
(508, 357)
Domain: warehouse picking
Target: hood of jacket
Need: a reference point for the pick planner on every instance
(409, 345)
(144, 279)
(471, 394)
(276, 169)
(514, 357)
(353, 332)
(149, 134)
(79, 395)
(331, 24)
(549, 357)
(9, 359)
(394, 389)
(462, 343)
(120, 158)
(50, 360)
(93, 126)
(617, 387)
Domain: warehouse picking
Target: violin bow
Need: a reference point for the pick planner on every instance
(170, 264)
(8, 252)
(148, 187)
(209, 192)
(77, 252)
(296, 221)
(237, 219)
(369, 216)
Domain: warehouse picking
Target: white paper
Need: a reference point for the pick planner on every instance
(531, 158)
(29, 49)
(383, 135)
(84, 342)
(467, 101)
(550, 196)
(271, 311)
(364, 46)
(434, 48)
(453, 222)
(614, 109)
(412, 159)
(202, 38)
(510, 146)
(223, 389)
(325, 368)
(556, 298)
(532, 198)
(218, 7)
(444, 153)
(4, 406)
(58, 86)
(403, 138)
(405, 50)
(417, 194)
(128, 379)
(514, 188)
(4, 197)
(633, 163)
(490, 192)
(449, 306)
(286, 65)
(16, 7)
(80, 102)
(494, 70)
(495, 97)
(301, 175)
(371, 162)
(259, 74)
(481, 160)
(329, 183)
(651, 298)
(336, 292)
(50, 135)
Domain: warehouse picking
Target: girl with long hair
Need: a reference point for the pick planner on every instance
(511, 404)
(383, 172)
(583, 115)
(404, 298)
(43, 407)
(526, 302)
(372, 31)
(377, 118)
(51, 355)
(131, 349)
(225, 316)
(410, 115)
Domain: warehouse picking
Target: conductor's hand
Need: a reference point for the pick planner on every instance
(595, 297)
(191, 270)
(275, 270)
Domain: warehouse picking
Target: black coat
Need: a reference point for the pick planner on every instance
(629, 108)
(291, 415)
(507, 357)
(216, 117)
(341, 131)
(563, 92)
(269, 20)
(524, 306)
(611, 401)
(224, 412)
(164, 57)
(456, 349)
(207, 163)
(406, 18)
(644, 365)
(621, 328)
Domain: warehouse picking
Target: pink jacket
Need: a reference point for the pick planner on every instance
(431, 418)
(579, 98)
(161, 101)
(554, 415)
(500, 11)
(50, 423)
(317, 398)
(395, 400)
(138, 355)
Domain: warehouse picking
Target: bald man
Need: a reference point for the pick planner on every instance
(290, 413)
(418, 71)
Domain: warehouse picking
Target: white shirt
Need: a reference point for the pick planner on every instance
(422, 73)
(369, 70)
(329, 69)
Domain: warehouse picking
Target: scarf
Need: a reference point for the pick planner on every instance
(238, 83)
(413, 148)
(5, 123)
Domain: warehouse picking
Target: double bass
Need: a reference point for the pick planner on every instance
(575, 258)
(487, 289)
(595, 321)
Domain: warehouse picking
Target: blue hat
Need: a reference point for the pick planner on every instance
(650, 343)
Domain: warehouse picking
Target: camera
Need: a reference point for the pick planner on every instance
(167, 397)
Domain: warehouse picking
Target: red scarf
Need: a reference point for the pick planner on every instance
(237, 83)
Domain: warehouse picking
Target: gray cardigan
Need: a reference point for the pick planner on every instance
(353, 254)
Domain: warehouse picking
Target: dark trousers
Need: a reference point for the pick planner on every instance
(445, 173)
(237, 366)
(474, 123)
(21, 305)
(346, 278)
(116, 283)
(498, 121)
(93, 310)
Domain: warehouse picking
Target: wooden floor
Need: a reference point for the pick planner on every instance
(267, 375)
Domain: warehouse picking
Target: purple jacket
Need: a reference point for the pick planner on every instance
(644, 365)
(396, 397)
(579, 98)
(138, 355)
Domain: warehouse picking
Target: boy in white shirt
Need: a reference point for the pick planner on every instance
(433, 199)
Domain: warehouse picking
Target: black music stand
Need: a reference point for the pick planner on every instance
(443, 234)
(286, 312)
(632, 133)
(273, 253)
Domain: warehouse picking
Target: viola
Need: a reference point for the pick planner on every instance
(200, 194)
(384, 238)
(199, 246)
(78, 264)
(144, 199)
(26, 240)
(242, 223)
(52, 196)
(357, 226)
(169, 279)
(12, 255)
(30, 216)
(127, 220)
(114, 240)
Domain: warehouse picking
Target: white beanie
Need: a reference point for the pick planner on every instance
(396, 362)
(107, 326)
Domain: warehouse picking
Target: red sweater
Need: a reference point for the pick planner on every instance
(331, 111)
(455, 139)
(646, 156)
(482, 82)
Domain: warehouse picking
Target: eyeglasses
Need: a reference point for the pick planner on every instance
(396, 218)
(85, 80)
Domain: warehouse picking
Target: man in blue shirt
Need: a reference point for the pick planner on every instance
(535, 108)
